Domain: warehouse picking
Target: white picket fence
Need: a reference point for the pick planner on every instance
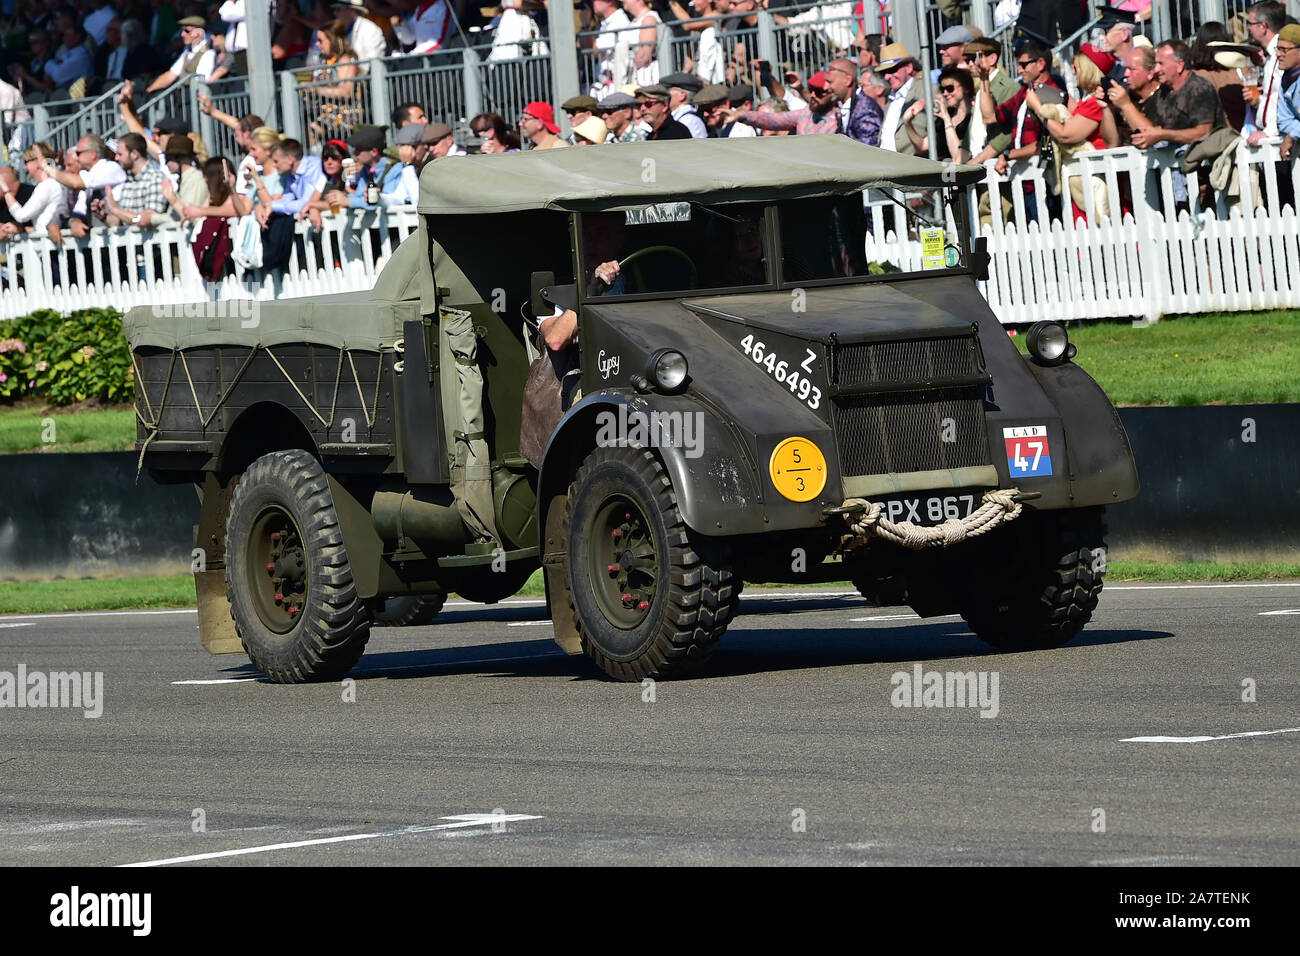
(126, 267)
(1150, 257)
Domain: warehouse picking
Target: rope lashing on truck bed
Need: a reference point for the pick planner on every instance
(999, 507)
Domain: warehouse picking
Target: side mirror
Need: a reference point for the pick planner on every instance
(980, 259)
(541, 280)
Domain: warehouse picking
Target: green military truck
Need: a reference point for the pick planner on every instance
(750, 399)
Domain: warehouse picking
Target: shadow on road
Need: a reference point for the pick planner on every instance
(744, 650)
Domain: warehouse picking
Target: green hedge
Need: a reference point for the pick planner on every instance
(66, 359)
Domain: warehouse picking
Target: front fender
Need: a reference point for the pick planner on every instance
(1101, 466)
(720, 488)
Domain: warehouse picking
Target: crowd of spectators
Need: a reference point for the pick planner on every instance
(1196, 100)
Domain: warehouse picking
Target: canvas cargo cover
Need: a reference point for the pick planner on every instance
(586, 179)
(365, 321)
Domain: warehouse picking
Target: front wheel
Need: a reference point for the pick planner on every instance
(649, 599)
(288, 578)
(1045, 584)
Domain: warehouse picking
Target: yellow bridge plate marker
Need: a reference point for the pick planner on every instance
(798, 469)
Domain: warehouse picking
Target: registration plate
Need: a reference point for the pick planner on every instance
(930, 509)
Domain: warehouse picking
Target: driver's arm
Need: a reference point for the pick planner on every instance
(560, 330)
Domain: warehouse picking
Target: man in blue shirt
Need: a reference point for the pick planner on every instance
(302, 179)
(1288, 107)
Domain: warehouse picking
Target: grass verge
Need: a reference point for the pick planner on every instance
(1238, 358)
(105, 594)
(31, 427)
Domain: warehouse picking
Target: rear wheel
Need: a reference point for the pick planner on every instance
(288, 579)
(1045, 582)
(649, 599)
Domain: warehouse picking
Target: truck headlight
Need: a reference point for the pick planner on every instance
(667, 369)
(1049, 344)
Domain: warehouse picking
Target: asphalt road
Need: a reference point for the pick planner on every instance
(480, 714)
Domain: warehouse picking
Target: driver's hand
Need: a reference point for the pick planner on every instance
(607, 272)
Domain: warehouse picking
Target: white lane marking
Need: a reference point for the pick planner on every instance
(18, 624)
(50, 617)
(901, 617)
(223, 680)
(1203, 739)
(1294, 610)
(527, 623)
(460, 821)
(31, 829)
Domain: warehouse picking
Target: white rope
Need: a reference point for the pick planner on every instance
(999, 507)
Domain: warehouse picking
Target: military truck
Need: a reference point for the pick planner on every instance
(757, 400)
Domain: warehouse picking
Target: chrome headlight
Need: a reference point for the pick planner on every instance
(667, 369)
(1049, 344)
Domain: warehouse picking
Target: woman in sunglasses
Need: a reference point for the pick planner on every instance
(952, 113)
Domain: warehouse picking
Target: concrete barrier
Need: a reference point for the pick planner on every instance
(1219, 483)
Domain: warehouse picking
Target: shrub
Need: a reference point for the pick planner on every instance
(66, 359)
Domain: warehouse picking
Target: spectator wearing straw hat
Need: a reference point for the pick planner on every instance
(591, 132)
(681, 87)
(617, 110)
(899, 69)
(197, 59)
(537, 125)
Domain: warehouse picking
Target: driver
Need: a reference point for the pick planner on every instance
(604, 236)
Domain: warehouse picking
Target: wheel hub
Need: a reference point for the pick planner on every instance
(625, 567)
(277, 563)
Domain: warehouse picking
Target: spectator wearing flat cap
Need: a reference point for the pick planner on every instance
(197, 58)
(652, 109)
(951, 44)
(681, 87)
(537, 125)
(617, 110)
(711, 101)
(579, 109)
(401, 182)
(994, 85)
(368, 173)
(740, 96)
(1288, 105)
(440, 142)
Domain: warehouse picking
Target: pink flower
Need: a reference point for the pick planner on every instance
(42, 365)
(3, 377)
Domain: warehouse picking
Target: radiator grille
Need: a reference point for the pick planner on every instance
(904, 431)
(898, 363)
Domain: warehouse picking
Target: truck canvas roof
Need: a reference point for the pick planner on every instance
(762, 168)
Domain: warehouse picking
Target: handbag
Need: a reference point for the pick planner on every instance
(246, 243)
(551, 375)
(212, 247)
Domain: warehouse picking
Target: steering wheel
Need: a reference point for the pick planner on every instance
(637, 283)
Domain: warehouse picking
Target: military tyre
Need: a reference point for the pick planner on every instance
(283, 541)
(1051, 596)
(649, 601)
(410, 610)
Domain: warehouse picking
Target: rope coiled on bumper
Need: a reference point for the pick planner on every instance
(999, 507)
